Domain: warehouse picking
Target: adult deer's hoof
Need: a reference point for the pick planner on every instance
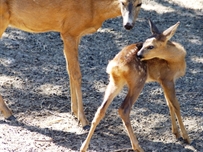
(11, 118)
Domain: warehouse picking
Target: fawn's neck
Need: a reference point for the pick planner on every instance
(175, 53)
(176, 58)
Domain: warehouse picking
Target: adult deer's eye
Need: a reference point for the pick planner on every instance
(150, 47)
(138, 5)
(123, 4)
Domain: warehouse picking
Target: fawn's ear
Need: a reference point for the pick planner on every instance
(153, 28)
(168, 33)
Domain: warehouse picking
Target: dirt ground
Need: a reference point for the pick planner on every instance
(34, 83)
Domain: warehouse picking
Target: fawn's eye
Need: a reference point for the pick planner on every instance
(150, 47)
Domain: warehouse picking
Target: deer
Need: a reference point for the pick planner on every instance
(157, 59)
(6, 111)
(72, 19)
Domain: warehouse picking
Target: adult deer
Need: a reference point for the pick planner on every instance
(6, 111)
(73, 19)
(157, 59)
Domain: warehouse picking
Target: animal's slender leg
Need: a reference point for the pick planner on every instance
(124, 112)
(112, 90)
(169, 92)
(74, 104)
(73, 68)
(4, 21)
(4, 17)
(4, 109)
(174, 126)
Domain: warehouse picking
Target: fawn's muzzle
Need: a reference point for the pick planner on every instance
(139, 55)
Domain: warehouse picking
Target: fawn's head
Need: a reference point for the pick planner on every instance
(156, 45)
(130, 10)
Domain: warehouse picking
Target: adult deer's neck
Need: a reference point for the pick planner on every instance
(106, 9)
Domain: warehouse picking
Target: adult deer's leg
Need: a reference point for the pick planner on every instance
(74, 104)
(4, 17)
(125, 108)
(169, 92)
(112, 90)
(73, 68)
(5, 110)
(4, 21)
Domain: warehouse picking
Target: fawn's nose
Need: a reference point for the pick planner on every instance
(139, 55)
(128, 26)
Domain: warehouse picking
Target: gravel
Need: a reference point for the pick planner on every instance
(34, 84)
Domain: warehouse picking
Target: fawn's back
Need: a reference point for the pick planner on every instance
(155, 69)
(125, 62)
(158, 57)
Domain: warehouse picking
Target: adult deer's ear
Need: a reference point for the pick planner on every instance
(168, 33)
(153, 28)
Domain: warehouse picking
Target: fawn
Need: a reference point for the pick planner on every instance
(73, 19)
(157, 59)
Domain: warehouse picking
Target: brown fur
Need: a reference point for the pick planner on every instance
(73, 19)
(6, 112)
(127, 68)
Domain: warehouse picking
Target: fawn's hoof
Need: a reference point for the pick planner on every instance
(187, 141)
(86, 128)
(11, 118)
(182, 140)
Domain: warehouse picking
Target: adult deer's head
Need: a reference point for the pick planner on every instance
(130, 10)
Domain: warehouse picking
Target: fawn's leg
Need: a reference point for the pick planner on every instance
(73, 68)
(124, 112)
(169, 92)
(112, 90)
(174, 126)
